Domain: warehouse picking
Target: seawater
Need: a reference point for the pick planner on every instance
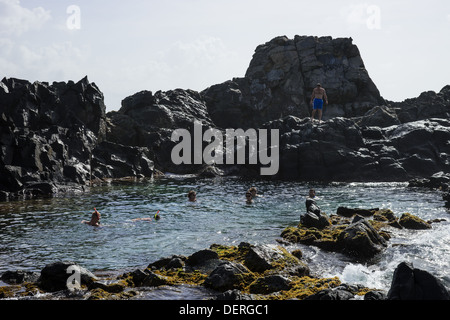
(34, 233)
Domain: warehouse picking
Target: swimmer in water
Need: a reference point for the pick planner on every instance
(192, 196)
(248, 196)
(156, 217)
(253, 191)
(95, 219)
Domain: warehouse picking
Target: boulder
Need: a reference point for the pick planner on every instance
(361, 240)
(331, 294)
(270, 284)
(260, 258)
(233, 295)
(375, 295)
(312, 220)
(280, 79)
(204, 260)
(410, 221)
(350, 212)
(54, 276)
(19, 276)
(227, 276)
(409, 283)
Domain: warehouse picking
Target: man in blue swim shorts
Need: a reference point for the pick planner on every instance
(317, 98)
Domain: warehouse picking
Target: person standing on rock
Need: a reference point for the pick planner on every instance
(318, 97)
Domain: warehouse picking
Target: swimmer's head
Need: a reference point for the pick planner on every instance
(192, 195)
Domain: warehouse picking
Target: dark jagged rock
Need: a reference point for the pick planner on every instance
(53, 136)
(410, 221)
(340, 150)
(409, 283)
(331, 294)
(19, 276)
(350, 212)
(148, 120)
(227, 276)
(361, 240)
(427, 105)
(54, 276)
(269, 284)
(280, 79)
(233, 295)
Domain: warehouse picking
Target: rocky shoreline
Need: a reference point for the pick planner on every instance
(250, 272)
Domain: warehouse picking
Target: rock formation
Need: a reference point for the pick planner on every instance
(52, 139)
(281, 77)
(57, 137)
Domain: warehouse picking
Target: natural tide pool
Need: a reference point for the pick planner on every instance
(34, 233)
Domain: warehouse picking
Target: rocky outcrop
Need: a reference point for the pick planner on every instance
(53, 139)
(281, 77)
(357, 236)
(341, 150)
(409, 283)
(148, 120)
(54, 276)
(231, 279)
(58, 138)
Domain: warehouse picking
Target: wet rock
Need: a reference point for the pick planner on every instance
(410, 221)
(204, 260)
(260, 258)
(233, 295)
(331, 294)
(154, 280)
(312, 220)
(54, 276)
(167, 263)
(270, 284)
(114, 286)
(350, 212)
(409, 283)
(19, 276)
(361, 240)
(375, 295)
(227, 276)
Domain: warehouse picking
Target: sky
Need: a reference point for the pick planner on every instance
(129, 46)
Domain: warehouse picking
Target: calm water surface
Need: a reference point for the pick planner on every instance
(37, 232)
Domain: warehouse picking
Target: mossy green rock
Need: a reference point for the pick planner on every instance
(410, 221)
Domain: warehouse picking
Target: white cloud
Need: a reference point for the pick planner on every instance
(52, 62)
(16, 20)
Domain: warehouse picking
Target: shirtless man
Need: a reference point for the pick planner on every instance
(317, 98)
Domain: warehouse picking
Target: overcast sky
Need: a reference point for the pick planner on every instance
(129, 46)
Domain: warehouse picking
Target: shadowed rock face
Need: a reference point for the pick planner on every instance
(281, 77)
(52, 139)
